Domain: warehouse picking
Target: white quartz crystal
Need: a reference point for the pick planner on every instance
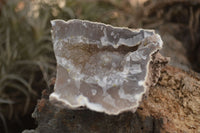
(101, 67)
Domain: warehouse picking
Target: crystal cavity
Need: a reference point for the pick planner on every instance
(101, 67)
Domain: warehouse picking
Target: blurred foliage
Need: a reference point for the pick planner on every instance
(25, 50)
(115, 12)
(25, 43)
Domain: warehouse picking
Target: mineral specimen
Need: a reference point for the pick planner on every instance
(102, 67)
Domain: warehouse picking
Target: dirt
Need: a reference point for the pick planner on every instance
(175, 99)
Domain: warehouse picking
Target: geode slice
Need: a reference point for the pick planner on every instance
(102, 67)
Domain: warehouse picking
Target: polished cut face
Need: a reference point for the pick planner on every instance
(102, 67)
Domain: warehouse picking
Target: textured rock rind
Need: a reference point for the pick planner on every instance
(85, 53)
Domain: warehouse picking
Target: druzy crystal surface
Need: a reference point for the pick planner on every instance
(101, 67)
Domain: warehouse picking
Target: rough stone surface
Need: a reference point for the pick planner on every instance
(175, 99)
(172, 106)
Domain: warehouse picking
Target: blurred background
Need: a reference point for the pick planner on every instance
(27, 61)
